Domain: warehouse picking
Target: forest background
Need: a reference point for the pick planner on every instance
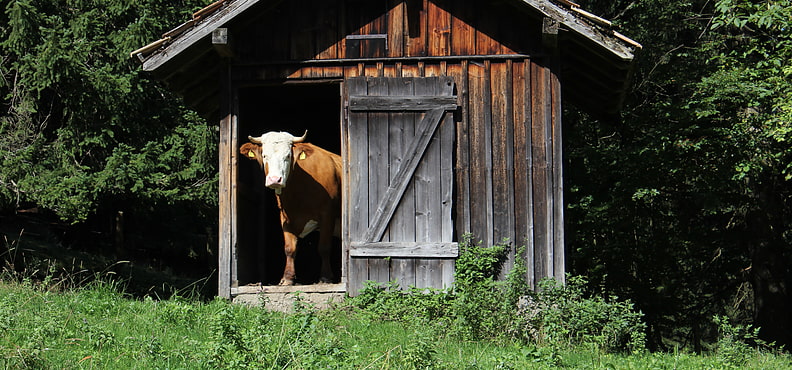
(682, 203)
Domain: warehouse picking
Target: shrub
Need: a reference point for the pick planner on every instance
(558, 313)
(480, 306)
(735, 343)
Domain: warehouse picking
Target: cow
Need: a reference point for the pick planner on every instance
(307, 184)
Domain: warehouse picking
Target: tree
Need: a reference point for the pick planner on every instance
(85, 132)
(750, 94)
(665, 200)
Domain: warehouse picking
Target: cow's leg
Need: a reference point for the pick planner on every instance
(290, 248)
(325, 247)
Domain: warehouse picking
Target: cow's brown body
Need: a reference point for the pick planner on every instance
(312, 197)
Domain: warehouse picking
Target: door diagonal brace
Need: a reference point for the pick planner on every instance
(388, 203)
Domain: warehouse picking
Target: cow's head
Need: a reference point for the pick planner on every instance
(273, 151)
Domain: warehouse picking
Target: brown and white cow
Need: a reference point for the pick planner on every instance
(307, 184)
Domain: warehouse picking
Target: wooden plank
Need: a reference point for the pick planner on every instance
(344, 28)
(428, 273)
(426, 177)
(358, 164)
(358, 274)
(410, 70)
(346, 212)
(542, 189)
(530, 246)
(397, 32)
(388, 203)
(462, 165)
(403, 271)
(447, 266)
(486, 36)
(404, 249)
(400, 103)
(463, 35)
(522, 164)
(375, 47)
(439, 28)
(486, 126)
(234, 174)
(303, 39)
(480, 224)
(418, 27)
(559, 264)
(327, 33)
(433, 69)
(390, 70)
(356, 213)
(446, 138)
(225, 206)
(379, 269)
(379, 176)
(402, 131)
(503, 157)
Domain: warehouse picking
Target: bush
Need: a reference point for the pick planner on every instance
(482, 307)
(559, 313)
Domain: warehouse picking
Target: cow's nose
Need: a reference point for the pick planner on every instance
(274, 180)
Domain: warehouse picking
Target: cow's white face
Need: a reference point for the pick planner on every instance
(276, 157)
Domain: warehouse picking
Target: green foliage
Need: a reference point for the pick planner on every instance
(560, 314)
(481, 307)
(80, 134)
(736, 343)
(683, 203)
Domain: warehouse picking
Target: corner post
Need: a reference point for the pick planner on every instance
(227, 182)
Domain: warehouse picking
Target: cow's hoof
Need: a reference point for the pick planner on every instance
(286, 282)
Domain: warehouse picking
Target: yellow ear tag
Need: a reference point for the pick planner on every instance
(251, 154)
(302, 155)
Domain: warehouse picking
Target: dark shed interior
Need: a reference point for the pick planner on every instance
(293, 108)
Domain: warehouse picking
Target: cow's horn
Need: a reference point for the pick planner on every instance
(301, 138)
(254, 140)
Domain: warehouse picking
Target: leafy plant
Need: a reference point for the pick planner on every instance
(561, 314)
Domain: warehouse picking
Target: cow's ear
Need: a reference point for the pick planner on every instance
(302, 152)
(248, 150)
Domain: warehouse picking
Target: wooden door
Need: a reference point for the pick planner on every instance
(398, 145)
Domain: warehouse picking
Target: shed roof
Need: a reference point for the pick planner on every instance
(596, 59)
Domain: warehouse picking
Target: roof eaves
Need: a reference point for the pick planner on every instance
(596, 29)
(203, 22)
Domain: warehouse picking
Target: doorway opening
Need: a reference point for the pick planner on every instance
(293, 108)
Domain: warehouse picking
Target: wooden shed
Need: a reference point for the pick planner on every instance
(447, 115)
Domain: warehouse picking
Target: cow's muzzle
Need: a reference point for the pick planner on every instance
(274, 182)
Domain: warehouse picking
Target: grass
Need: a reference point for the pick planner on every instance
(98, 326)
